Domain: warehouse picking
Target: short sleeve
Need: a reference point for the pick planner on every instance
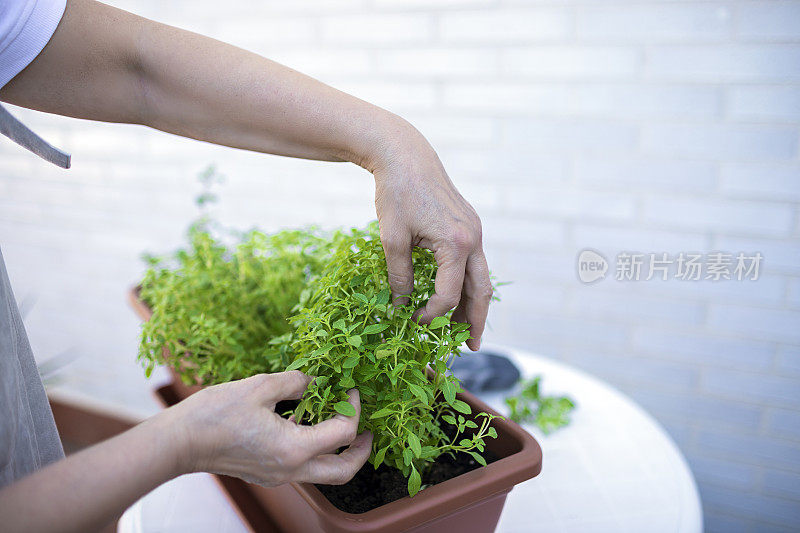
(25, 28)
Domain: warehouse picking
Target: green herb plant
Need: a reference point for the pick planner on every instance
(320, 303)
(349, 335)
(220, 311)
(222, 314)
(531, 406)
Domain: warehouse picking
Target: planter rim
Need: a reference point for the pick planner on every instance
(438, 500)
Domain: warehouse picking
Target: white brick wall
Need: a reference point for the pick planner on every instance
(730, 62)
(504, 26)
(628, 22)
(571, 62)
(649, 126)
(376, 29)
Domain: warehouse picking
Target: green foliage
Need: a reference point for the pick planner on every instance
(349, 335)
(547, 412)
(225, 312)
(221, 313)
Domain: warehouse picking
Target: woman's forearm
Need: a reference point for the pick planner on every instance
(87, 490)
(201, 88)
(106, 64)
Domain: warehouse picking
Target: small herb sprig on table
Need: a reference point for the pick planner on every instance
(349, 335)
(547, 412)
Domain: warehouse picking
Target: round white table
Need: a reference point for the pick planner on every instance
(614, 469)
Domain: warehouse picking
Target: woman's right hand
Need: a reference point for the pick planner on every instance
(233, 429)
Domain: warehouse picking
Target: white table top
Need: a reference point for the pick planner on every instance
(612, 469)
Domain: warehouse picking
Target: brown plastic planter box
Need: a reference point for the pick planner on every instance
(471, 502)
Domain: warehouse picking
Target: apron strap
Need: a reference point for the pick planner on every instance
(23, 136)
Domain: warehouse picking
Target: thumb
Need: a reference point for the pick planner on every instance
(283, 386)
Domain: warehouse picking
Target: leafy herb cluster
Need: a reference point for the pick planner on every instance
(221, 313)
(349, 335)
(319, 303)
(531, 406)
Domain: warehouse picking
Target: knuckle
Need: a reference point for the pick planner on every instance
(478, 230)
(486, 293)
(261, 380)
(290, 454)
(292, 458)
(450, 300)
(346, 432)
(350, 433)
(399, 281)
(341, 476)
(463, 239)
(294, 375)
(395, 245)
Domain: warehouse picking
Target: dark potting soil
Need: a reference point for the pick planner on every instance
(372, 488)
(285, 407)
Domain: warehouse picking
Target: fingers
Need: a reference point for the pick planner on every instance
(331, 434)
(333, 469)
(401, 269)
(460, 315)
(449, 280)
(476, 297)
(282, 386)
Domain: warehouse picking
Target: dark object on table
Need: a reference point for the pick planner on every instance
(484, 371)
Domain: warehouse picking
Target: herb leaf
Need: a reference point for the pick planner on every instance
(414, 482)
(439, 322)
(345, 408)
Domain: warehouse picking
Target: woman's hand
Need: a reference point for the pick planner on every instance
(418, 205)
(233, 429)
(228, 429)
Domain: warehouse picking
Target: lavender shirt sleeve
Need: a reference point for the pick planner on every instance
(26, 26)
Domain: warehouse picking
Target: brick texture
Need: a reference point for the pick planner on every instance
(647, 126)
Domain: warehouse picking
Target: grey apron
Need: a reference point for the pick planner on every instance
(28, 436)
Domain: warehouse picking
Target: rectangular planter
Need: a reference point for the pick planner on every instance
(471, 502)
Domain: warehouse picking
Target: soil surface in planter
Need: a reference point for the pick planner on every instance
(372, 488)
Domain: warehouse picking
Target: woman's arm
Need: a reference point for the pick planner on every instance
(110, 65)
(229, 429)
(106, 64)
